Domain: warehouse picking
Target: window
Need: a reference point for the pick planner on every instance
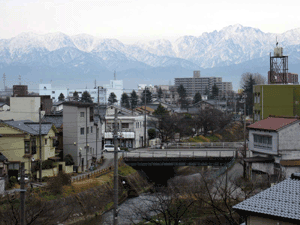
(45, 141)
(27, 147)
(125, 125)
(87, 130)
(82, 131)
(81, 114)
(262, 141)
(33, 146)
(91, 129)
(53, 92)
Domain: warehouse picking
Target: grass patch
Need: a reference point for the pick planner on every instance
(125, 170)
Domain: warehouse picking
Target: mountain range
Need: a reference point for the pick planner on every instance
(76, 61)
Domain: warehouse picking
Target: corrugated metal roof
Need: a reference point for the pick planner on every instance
(272, 123)
(282, 200)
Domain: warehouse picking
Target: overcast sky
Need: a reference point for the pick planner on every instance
(143, 20)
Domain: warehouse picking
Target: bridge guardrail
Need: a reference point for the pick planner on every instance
(190, 145)
(181, 154)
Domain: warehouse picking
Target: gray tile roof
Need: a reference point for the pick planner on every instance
(281, 200)
(30, 127)
(56, 119)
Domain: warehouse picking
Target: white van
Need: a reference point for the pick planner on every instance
(109, 148)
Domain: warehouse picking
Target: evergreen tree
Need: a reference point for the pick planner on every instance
(86, 97)
(61, 97)
(197, 98)
(125, 101)
(148, 96)
(76, 96)
(206, 92)
(215, 91)
(133, 99)
(160, 111)
(248, 90)
(112, 98)
(159, 93)
(182, 97)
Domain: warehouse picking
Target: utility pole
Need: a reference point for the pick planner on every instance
(86, 137)
(40, 140)
(97, 128)
(22, 196)
(4, 79)
(145, 121)
(115, 212)
(245, 147)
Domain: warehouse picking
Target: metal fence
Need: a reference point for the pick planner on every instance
(190, 145)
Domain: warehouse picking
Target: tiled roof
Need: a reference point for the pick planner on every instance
(30, 127)
(56, 119)
(272, 123)
(281, 200)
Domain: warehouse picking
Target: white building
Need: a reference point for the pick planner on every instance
(46, 89)
(115, 86)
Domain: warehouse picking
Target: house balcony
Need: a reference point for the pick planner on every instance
(122, 135)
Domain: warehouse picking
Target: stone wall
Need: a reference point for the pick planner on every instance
(2, 186)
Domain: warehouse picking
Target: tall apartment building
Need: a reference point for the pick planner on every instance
(199, 84)
(82, 136)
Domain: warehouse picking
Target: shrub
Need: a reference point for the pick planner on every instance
(55, 184)
(69, 160)
(124, 148)
(47, 164)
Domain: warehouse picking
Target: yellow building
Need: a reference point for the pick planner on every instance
(20, 143)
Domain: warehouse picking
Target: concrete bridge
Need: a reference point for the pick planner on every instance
(180, 157)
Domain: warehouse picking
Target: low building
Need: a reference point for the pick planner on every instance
(20, 143)
(274, 145)
(130, 127)
(279, 204)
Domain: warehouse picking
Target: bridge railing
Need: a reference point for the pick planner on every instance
(180, 154)
(191, 145)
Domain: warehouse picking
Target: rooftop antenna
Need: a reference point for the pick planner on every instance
(95, 84)
(4, 79)
(19, 79)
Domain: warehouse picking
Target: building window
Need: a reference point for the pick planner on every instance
(45, 141)
(87, 130)
(82, 131)
(33, 146)
(262, 141)
(27, 147)
(81, 114)
(125, 125)
(53, 92)
(91, 129)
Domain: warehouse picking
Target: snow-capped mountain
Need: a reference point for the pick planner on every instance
(233, 45)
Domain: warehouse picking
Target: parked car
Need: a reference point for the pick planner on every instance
(110, 148)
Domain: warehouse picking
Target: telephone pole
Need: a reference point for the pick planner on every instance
(97, 128)
(22, 196)
(40, 147)
(115, 212)
(145, 121)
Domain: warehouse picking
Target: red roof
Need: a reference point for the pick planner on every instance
(272, 123)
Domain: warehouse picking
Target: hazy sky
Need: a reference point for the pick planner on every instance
(138, 20)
